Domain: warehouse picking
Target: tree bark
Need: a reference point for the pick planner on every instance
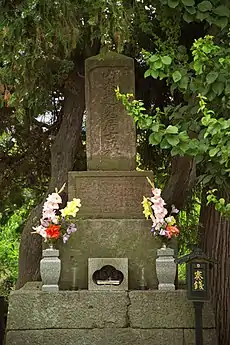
(215, 241)
(63, 156)
(180, 182)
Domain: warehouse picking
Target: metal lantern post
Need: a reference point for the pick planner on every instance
(197, 269)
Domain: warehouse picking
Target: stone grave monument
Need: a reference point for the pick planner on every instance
(112, 226)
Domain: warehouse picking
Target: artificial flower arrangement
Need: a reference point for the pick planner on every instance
(164, 227)
(55, 222)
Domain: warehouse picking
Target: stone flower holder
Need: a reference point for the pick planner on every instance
(50, 269)
(165, 269)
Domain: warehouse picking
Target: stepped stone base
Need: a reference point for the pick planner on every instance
(104, 318)
(110, 238)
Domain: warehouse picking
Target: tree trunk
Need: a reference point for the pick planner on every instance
(215, 241)
(63, 156)
(180, 182)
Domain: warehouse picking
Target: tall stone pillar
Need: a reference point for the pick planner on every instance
(110, 133)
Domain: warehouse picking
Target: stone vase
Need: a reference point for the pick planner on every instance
(165, 268)
(50, 269)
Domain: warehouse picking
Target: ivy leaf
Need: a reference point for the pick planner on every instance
(190, 9)
(155, 138)
(166, 60)
(213, 152)
(222, 11)
(211, 77)
(173, 140)
(218, 87)
(173, 3)
(171, 130)
(204, 6)
(176, 76)
(188, 2)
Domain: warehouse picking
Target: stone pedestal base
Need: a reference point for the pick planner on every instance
(105, 318)
(110, 238)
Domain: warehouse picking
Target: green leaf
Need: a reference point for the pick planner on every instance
(213, 152)
(147, 73)
(173, 3)
(218, 87)
(155, 127)
(176, 76)
(204, 6)
(222, 11)
(166, 60)
(227, 89)
(157, 64)
(190, 9)
(175, 151)
(211, 77)
(171, 130)
(164, 144)
(188, 2)
(173, 140)
(221, 22)
(184, 82)
(198, 67)
(153, 58)
(155, 138)
(207, 179)
(201, 15)
(188, 18)
(154, 74)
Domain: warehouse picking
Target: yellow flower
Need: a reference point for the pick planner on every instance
(147, 207)
(72, 208)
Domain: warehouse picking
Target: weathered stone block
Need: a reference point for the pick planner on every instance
(120, 270)
(149, 309)
(96, 337)
(209, 337)
(110, 132)
(110, 194)
(110, 238)
(83, 309)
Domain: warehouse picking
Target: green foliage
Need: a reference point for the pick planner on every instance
(190, 128)
(213, 12)
(9, 246)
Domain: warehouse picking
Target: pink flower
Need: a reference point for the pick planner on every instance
(54, 198)
(156, 191)
(41, 230)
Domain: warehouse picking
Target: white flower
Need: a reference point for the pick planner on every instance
(54, 198)
(174, 209)
(40, 230)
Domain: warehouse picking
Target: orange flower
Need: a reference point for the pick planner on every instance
(53, 231)
(172, 230)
